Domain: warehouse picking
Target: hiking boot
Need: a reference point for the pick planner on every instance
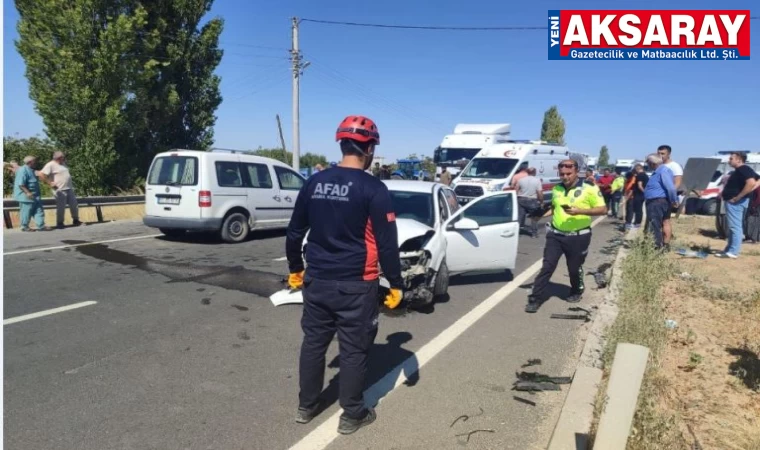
(77, 223)
(348, 425)
(305, 415)
(533, 304)
(574, 298)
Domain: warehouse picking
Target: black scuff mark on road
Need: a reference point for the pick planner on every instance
(236, 278)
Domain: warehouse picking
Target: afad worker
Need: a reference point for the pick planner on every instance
(352, 227)
(569, 233)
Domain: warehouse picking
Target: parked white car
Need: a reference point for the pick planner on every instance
(227, 192)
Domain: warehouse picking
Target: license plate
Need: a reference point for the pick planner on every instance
(168, 200)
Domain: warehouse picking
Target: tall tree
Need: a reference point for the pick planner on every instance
(553, 127)
(604, 157)
(116, 81)
(307, 159)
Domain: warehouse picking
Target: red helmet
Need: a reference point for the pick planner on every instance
(358, 128)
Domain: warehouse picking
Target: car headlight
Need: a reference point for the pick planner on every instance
(496, 187)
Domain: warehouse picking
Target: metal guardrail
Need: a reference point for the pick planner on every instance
(97, 202)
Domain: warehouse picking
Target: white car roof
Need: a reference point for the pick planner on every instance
(411, 186)
(245, 157)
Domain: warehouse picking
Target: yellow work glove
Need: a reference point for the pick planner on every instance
(393, 298)
(295, 280)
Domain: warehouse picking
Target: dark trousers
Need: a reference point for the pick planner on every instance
(658, 210)
(528, 206)
(615, 203)
(351, 309)
(608, 201)
(636, 214)
(575, 249)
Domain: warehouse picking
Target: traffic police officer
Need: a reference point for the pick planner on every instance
(352, 228)
(569, 233)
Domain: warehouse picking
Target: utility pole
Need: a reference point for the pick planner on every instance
(282, 140)
(298, 66)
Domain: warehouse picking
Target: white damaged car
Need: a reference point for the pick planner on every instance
(438, 238)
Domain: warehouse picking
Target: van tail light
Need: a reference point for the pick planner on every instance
(204, 199)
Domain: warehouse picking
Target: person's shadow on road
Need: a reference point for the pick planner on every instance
(387, 362)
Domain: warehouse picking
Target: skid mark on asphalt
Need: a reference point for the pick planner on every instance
(236, 278)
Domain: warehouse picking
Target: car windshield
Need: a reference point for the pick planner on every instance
(174, 171)
(413, 205)
(493, 168)
(409, 166)
(455, 154)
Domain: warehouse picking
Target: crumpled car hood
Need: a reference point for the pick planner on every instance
(409, 228)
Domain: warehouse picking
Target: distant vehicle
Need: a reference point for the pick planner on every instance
(493, 167)
(456, 150)
(228, 192)
(592, 163)
(411, 169)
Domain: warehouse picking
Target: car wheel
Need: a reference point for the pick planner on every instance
(172, 232)
(710, 208)
(235, 228)
(441, 286)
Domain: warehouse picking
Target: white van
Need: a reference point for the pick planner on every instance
(227, 192)
(493, 167)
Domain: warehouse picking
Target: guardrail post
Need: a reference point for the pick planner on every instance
(7, 218)
(99, 212)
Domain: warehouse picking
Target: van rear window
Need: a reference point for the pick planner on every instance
(174, 171)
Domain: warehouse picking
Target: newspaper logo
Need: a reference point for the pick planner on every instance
(649, 35)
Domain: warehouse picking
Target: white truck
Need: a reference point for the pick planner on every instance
(456, 150)
(592, 163)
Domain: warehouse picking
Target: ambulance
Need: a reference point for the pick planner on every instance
(492, 168)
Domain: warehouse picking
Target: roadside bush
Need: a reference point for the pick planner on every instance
(16, 149)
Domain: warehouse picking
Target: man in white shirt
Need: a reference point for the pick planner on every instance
(59, 178)
(664, 151)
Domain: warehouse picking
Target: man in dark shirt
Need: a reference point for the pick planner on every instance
(736, 195)
(351, 224)
(637, 198)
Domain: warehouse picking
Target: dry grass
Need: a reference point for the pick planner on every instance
(711, 359)
(89, 215)
(641, 321)
(703, 380)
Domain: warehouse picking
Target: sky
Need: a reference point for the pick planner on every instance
(417, 85)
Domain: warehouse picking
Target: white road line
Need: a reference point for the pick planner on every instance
(47, 312)
(284, 258)
(19, 252)
(326, 432)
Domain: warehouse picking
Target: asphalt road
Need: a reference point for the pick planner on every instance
(182, 349)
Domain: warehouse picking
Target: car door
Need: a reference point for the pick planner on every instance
(492, 243)
(262, 195)
(290, 183)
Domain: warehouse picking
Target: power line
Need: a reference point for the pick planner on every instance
(420, 27)
(447, 28)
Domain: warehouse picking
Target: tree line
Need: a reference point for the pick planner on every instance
(116, 82)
